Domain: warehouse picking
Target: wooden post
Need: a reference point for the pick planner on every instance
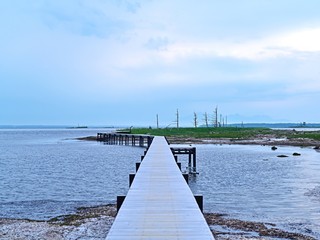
(179, 165)
(131, 178)
(194, 161)
(199, 199)
(186, 177)
(137, 166)
(120, 200)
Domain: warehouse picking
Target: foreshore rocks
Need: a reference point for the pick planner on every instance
(255, 141)
(93, 223)
(86, 224)
(269, 140)
(249, 229)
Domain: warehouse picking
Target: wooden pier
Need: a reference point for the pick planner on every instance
(192, 159)
(125, 139)
(145, 141)
(159, 203)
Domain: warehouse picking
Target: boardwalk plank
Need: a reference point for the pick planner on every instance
(159, 203)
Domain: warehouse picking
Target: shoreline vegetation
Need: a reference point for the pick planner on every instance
(235, 135)
(230, 135)
(95, 222)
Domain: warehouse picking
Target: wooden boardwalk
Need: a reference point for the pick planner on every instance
(159, 203)
(125, 139)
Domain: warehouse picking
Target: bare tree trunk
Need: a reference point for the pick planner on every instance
(177, 118)
(206, 119)
(216, 117)
(157, 121)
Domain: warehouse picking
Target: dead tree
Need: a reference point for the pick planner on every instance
(157, 121)
(177, 118)
(215, 117)
(206, 119)
(195, 120)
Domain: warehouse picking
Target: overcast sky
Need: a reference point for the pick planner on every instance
(121, 62)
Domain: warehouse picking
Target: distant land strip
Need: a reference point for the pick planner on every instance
(231, 135)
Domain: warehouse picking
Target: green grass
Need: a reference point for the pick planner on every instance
(309, 135)
(227, 132)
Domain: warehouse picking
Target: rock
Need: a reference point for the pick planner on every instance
(282, 156)
(316, 147)
(237, 229)
(88, 223)
(296, 154)
(274, 148)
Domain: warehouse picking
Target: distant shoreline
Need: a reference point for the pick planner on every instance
(263, 140)
(254, 141)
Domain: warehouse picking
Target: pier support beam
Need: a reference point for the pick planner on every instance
(131, 178)
(120, 200)
(192, 159)
(199, 199)
(125, 139)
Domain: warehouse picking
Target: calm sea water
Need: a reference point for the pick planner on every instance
(45, 173)
(252, 183)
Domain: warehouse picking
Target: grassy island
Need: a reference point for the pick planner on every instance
(226, 132)
(235, 135)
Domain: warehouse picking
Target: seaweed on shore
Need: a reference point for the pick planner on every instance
(222, 227)
(262, 229)
(84, 213)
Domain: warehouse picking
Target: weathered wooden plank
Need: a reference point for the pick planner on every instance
(159, 203)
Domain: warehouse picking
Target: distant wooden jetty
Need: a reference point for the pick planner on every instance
(125, 139)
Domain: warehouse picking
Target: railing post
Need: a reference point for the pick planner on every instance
(120, 200)
(199, 199)
(194, 161)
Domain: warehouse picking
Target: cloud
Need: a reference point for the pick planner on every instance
(94, 18)
(289, 44)
(131, 5)
(158, 43)
(192, 55)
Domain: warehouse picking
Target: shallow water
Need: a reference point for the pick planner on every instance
(45, 173)
(252, 183)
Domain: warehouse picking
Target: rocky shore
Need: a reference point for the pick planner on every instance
(261, 140)
(90, 223)
(270, 140)
(93, 223)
